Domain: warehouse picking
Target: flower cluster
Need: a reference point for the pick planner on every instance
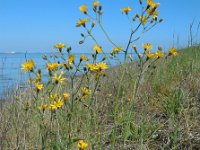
(28, 65)
(75, 80)
(56, 102)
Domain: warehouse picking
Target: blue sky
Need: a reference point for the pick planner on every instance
(37, 25)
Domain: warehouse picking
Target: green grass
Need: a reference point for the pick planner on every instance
(164, 114)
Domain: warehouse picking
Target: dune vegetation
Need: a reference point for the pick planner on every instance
(149, 101)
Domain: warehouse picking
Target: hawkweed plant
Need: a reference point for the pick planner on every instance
(66, 102)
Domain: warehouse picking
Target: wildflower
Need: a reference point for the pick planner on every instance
(159, 54)
(43, 107)
(59, 103)
(117, 50)
(149, 55)
(147, 46)
(83, 9)
(152, 4)
(97, 48)
(71, 59)
(92, 67)
(152, 12)
(95, 4)
(59, 46)
(52, 107)
(53, 96)
(143, 19)
(126, 10)
(28, 65)
(97, 67)
(83, 57)
(82, 145)
(102, 66)
(82, 22)
(39, 86)
(173, 51)
(59, 78)
(86, 91)
(66, 96)
(52, 66)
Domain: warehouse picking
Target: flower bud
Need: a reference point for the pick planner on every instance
(93, 24)
(100, 7)
(82, 35)
(93, 55)
(134, 47)
(81, 42)
(69, 49)
(161, 20)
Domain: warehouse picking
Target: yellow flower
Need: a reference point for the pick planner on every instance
(152, 12)
(82, 22)
(97, 48)
(28, 65)
(52, 66)
(59, 46)
(53, 96)
(82, 145)
(71, 59)
(59, 78)
(149, 55)
(97, 67)
(39, 86)
(83, 57)
(59, 103)
(102, 66)
(95, 3)
(152, 4)
(173, 51)
(92, 67)
(143, 19)
(52, 107)
(43, 107)
(147, 46)
(126, 10)
(66, 96)
(86, 91)
(83, 9)
(116, 50)
(159, 54)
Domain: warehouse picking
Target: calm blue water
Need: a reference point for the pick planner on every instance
(10, 68)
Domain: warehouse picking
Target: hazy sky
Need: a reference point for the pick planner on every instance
(37, 25)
